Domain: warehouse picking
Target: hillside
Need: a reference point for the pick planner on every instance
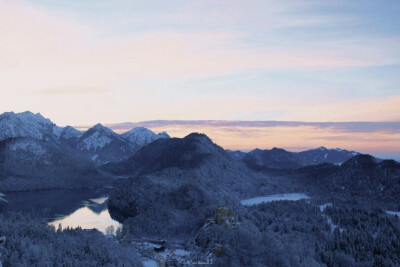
(29, 164)
(362, 177)
(177, 183)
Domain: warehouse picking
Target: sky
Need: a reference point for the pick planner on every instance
(84, 62)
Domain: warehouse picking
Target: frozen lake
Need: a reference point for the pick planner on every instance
(270, 198)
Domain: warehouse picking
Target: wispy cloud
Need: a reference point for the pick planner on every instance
(150, 56)
(74, 91)
(348, 127)
(379, 138)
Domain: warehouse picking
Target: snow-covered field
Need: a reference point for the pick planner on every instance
(166, 256)
(393, 213)
(2, 197)
(323, 206)
(150, 263)
(270, 198)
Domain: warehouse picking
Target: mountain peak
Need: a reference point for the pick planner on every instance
(141, 136)
(98, 126)
(164, 135)
(198, 135)
(70, 132)
(184, 153)
(101, 128)
(26, 124)
(277, 149)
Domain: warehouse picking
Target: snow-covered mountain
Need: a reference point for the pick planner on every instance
(278, 158)
(69, 132)
(99, 143)
(27, 124)
(322, 154)
(27, 163)
(140, 136)
(102, 145)
(236, 154)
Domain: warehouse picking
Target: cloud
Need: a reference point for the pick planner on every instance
(74, 91)
(150, 56)
(380, 138)
(61, 43)
(350, 127)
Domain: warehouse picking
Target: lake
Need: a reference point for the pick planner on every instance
(68, 207)
(271, 198)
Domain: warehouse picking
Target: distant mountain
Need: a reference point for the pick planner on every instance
(141, 136)
(322, 154)
(182, 180)
(278, 158)
(103, 145)
(275, 158)
(70, 136)
(28, 164)
(69, 133)
(27, 124)
(237, 154)
(99, 143)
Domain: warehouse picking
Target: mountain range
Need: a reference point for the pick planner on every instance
(277, 158)
(190, 189)
(98, 143)
(35, 153)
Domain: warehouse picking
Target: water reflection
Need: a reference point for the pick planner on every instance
(87, 218)
(73, 208)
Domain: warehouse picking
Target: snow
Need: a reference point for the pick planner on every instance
(150, 256)
(333, 226)
(97, 137)
(181, 252)
(28, 146)
(70, 132)
(96, 140)
(142, 136)
(328, 218)
(323, 206)
(57, 131)
(149, 263)
(326, 155)
(270, 198)
(26, 124)
(2, 197)
(163, 135)
(394, 213)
